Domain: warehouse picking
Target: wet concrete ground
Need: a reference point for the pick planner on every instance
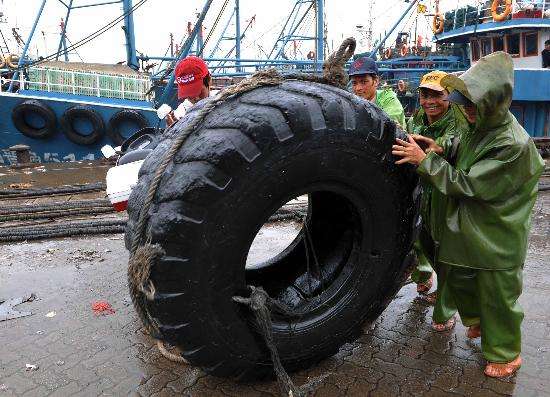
(79, 353)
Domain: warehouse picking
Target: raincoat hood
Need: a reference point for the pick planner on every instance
(489, 85)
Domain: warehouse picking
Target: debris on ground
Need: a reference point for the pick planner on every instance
(20, 185)
(60, 362)
(85, 255)
(31, 367)
(3, 387)
(102, 308)
(7, 311)
(51, 314)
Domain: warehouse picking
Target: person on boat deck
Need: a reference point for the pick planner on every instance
(546, 55)
(444, 123)
(486, 202)
(363, 73)
(193, 80)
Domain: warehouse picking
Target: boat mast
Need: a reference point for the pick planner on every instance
(381, 43)
(26, 48)
(131, 55)
(184, 51)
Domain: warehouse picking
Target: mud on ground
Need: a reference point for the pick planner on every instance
(80, 353)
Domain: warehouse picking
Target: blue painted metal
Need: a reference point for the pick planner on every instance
(27, 44)
(58, 147)
(532, 85)
(293, 22)
(222, 36)
(131, 55)
(63, 38)
(464, 33)
(320, 39)
(165, 97)
(237, 35)
(381, 43)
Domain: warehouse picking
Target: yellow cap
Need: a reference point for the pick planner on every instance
(432, 81)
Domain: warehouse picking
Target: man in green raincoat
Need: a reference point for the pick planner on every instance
(486, 202)
(444, 123)
(363, 74)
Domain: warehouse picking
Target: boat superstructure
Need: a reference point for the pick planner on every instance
(519, 28)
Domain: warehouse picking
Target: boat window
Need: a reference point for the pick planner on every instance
(474, 45)
(485, 47)
(530, 44)
(512, 44)
(498, 43)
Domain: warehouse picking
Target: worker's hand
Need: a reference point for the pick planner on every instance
(427, 144)
(170, 119)
(409, 151)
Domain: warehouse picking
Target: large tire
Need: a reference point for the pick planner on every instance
(71, 115)
(125, 116)
(247, 158)
(23, 110)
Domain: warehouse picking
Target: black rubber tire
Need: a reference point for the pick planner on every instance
(82, 112)
(247, 158)
(33, 106)
(125, 115)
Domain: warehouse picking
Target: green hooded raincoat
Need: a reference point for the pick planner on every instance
(445, 131)
(485, 202)
(484, 208)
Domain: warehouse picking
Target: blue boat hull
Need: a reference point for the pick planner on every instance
(58, 147)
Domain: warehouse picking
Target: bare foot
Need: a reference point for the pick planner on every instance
(502, 370)
(446, 326)
(423, 288)
(474, 331)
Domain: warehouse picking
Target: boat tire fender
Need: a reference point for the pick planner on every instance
(387, 53)
(69, 117)
(125, 115)
(404, 50)
(249, 156)
(19, 119)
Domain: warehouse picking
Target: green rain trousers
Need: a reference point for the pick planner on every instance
(444, 131)
(485, 203)
(490, 298)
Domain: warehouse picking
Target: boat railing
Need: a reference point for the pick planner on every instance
(469, 15)
(82, 83)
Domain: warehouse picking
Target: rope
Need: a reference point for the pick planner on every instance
(143, 253)
(55, 206)
(69, 189)
(262, 305)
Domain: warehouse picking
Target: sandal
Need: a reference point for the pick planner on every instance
(474, 331)
(502, 370)
(446, 326)
(431, 298)
(423, 288)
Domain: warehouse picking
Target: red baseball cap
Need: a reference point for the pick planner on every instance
(189, 75)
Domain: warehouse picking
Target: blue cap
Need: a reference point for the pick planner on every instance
(363, 65)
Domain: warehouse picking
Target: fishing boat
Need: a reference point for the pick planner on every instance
(519, 28)
(67, 111)
(464, 34)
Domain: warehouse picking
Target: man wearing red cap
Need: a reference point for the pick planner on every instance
(193, 80)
